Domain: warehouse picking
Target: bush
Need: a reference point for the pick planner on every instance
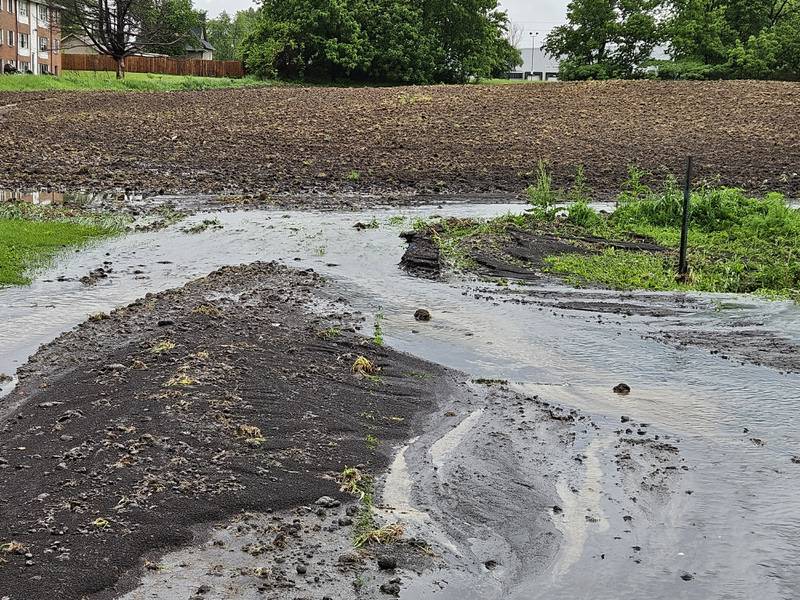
(581, 214)
(541, 195)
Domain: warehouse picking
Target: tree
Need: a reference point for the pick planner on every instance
(227, 34)
(167, 25)
(121, 28)
(514, 33)
(401, 41)
(605, 38)
(757, 39)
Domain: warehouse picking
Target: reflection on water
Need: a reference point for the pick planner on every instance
(736, 531)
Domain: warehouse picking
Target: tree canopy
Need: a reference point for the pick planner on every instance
(757, 39)
(227, 33)
(393, 41)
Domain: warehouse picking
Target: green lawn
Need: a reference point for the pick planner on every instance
(106, 80)
(27, 245)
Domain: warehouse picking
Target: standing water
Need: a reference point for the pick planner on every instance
(729, 527)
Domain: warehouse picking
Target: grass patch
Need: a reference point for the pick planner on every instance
(107, 81)
(27, 246)
(378, 333)
(737, 243)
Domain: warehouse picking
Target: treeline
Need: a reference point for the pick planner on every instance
(705, 39)
(388, 41)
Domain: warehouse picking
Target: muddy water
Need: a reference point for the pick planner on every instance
(729, 522)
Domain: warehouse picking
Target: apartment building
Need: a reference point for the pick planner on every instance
(31, 37)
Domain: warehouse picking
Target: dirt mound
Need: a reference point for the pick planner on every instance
(187, 407)
(419, 139)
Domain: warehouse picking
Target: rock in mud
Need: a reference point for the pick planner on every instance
(422, 315)
(387, 563)
(327, 502)
(391, 587)
(623, 389)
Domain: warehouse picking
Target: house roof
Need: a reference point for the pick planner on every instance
(199, 41)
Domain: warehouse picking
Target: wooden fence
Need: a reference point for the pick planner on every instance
(154, 64)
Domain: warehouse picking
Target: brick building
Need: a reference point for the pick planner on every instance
(31, 35)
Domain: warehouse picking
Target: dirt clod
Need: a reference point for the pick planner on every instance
(623, 389)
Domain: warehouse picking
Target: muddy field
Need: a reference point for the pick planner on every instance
(453, 139)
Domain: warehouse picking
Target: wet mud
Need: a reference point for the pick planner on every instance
(189, 406)
(520, 473)
(519, 254)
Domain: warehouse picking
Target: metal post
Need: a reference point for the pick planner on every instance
(683, 263)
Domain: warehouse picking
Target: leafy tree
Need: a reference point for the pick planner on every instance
(227, 34)
(401, 41)
(757, 39)
(605, 38)
(167, 25)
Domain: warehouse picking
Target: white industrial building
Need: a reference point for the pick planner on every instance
(536, 65)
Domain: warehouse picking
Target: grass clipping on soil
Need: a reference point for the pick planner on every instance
(30, 236)
(737, 243)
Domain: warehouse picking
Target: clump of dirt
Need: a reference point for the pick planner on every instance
(457, 139)
(187, 407)
(755, 346)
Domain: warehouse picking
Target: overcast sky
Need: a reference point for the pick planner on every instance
(533, 15)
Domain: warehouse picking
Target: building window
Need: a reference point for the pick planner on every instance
(56, 44)
(43, 44)
(23, 40)
(11, 38)
(42, 12)
(23, 8)
(43, 70)
(25, 67)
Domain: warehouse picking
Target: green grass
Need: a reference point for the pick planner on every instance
(29, 245)
(737, 243)
(31, 235)
(106, 80)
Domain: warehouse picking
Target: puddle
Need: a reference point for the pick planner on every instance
(732, 522)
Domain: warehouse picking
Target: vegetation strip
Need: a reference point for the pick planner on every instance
(107, 81)
(737, 243)
(31, 235)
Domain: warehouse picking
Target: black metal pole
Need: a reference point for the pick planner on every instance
(683, 263)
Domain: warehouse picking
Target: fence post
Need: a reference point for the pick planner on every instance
(683, 263)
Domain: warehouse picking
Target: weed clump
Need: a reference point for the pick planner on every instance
(364, 366)
(379, 535)
(162, 346)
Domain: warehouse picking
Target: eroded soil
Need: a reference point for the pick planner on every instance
(187, 407)
(409, 139)
(520, 255)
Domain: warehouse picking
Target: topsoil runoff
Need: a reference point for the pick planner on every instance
(191, 406)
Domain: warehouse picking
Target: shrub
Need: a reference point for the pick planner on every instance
(581, 214)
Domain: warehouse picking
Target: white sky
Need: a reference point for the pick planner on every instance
(533, 15)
